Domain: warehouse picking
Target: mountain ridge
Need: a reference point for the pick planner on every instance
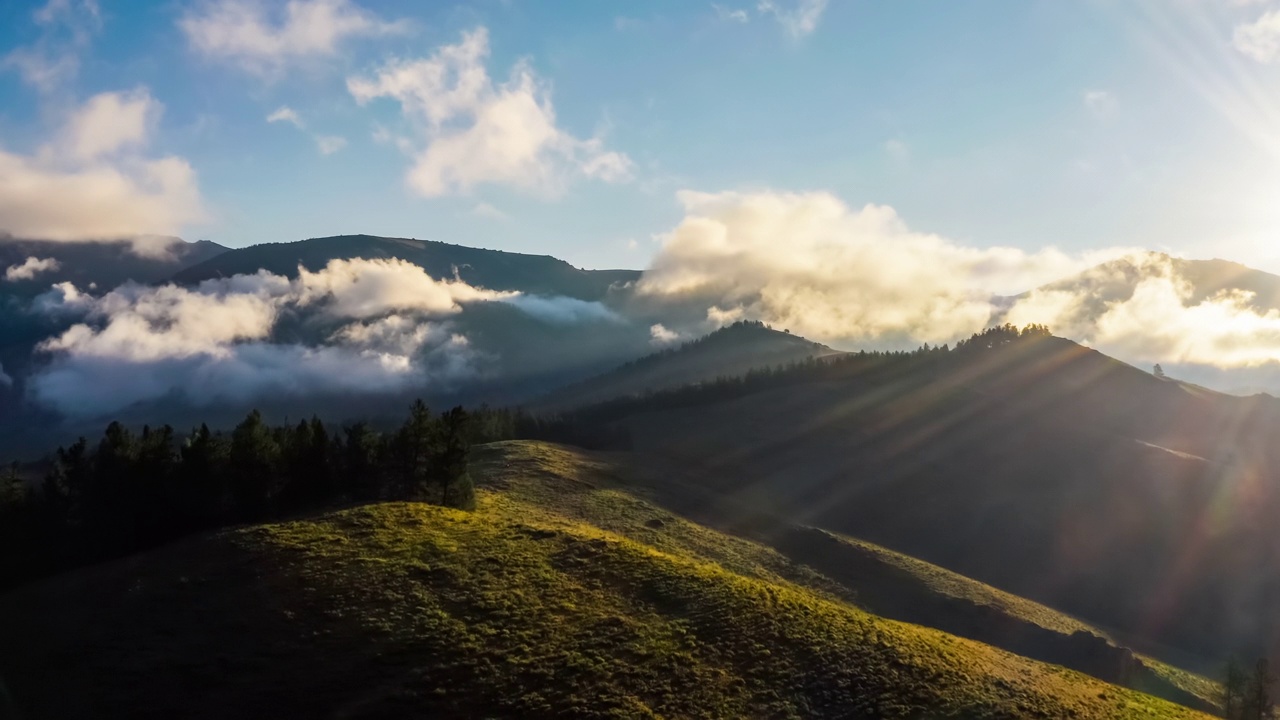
(491, 269)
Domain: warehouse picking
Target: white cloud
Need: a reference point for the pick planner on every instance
(661, 336)
(110, 122)
(284, 113)
(29, 268)
(365, 288)
(477, 132)
(5, 380)
(730, 14)
(810, 263)
(330, 144)
(214, 341)
(94, 182)
(262, 39)
(797, 17)
(1157, 317)
(379, 325)
(1260, 39)
(66, 29)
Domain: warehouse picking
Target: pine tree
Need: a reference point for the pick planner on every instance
(254, 460)
(204, 490)
(414, 449)
(449, 466)
(1234, 687)
(361, 470)
(1258, 703)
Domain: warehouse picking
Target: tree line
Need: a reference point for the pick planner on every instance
(591, 425)
(131, 491)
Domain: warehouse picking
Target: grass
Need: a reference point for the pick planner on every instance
(561, 596)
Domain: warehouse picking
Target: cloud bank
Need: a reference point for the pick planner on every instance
(861, 278)
(809, 263)
(472, 131)
(369, 326)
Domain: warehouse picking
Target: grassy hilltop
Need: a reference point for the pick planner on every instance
(566, 593)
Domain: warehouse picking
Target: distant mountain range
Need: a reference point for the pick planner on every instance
(491, 269)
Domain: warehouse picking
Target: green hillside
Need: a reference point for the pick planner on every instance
(562, 594)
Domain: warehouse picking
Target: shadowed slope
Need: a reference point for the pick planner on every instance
(730, 351)
(521, 608)
(1042, 467)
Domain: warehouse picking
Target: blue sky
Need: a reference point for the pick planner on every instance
(1079, 125)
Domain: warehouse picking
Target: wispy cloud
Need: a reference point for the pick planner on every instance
(1102, 103)
(486, 210)
(66, 29)
(797, 17)
(475, 132)
(330, 144)
(326, 144)
(728, 14)
(284, 113)
(1260, 39)
(260, 38)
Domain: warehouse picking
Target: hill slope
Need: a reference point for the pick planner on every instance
(493, 269)
(730, 351)
(1043, 468)
(521, 608)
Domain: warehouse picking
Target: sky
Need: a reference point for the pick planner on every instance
(572, 128)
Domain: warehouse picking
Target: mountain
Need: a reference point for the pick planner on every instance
(730, 351)
(1109, 283)
(1117, 279)
(491, 269)
(1041, 467)
(88, 265)
(99, 263)
(566, 592)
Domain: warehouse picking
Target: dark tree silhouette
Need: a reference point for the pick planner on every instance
(449, 463)
(254, 458)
